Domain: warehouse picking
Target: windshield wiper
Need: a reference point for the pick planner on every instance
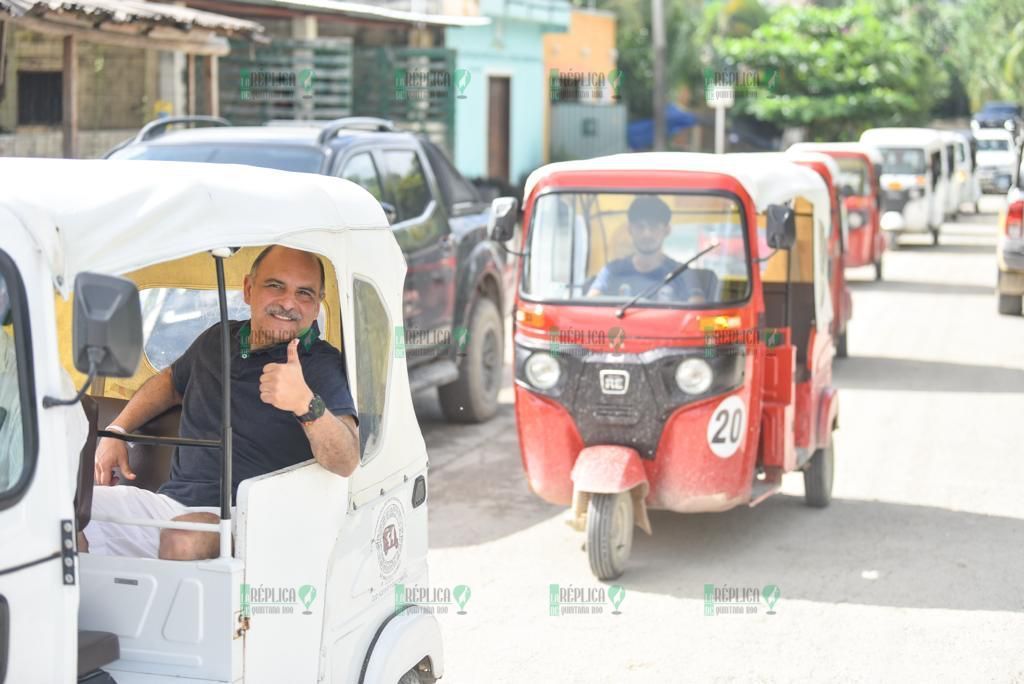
(669, 277)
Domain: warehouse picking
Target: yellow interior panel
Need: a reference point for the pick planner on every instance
(774, 270)
(195, 272)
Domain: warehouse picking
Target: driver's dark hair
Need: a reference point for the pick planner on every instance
(650, 209)
(259, 259)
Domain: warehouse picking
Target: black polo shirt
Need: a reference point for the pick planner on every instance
(265, 438)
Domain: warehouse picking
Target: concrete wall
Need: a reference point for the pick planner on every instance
(39, 142)
(512, 48)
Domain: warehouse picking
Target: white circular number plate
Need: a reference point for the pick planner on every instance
(727, 426)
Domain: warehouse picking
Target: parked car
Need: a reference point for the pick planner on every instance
(998, 160)
(456, 290)
(1001, 115)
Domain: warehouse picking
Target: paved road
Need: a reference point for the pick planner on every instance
(915, 573)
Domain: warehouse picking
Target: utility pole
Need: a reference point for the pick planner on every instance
(658, 33)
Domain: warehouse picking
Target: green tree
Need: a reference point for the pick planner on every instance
(841, 71)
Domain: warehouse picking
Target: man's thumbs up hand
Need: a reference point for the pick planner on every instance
(283, 386)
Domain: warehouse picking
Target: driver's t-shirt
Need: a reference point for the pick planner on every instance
(265, 438)
(620, 278)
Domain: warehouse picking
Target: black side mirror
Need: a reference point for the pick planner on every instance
(501, 225)
(107, 325)
(847, 191)
(781, 226)
(390, 212)
(106, 330)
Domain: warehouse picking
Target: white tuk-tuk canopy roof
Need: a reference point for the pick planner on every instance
(902, 137)
(870, 150)
(767, 178)
(114, 216)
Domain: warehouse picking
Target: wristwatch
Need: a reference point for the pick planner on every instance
(316, 409)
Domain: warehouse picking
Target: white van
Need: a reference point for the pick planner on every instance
(914, 180)
(304, 588)
(998, 160)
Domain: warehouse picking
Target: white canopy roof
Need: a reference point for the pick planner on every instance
(767, 178)
(901, 137)
(870, 150)
(114, 216)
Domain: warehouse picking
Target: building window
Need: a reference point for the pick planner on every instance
(40, 98)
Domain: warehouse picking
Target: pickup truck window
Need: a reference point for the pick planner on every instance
(361, 170)
(14, 454)
(407, 183)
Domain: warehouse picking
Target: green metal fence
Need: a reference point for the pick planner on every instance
(414, 87)
(287, 79)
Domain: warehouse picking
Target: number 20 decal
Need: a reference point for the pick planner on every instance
(727, 426)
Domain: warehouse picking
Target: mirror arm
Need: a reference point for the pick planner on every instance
(509, 251)
(95, 356)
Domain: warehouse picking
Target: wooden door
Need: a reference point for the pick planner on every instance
(498, 127)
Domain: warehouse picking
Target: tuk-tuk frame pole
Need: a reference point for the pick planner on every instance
(225, 355)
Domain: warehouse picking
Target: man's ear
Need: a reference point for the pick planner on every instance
(247, 288)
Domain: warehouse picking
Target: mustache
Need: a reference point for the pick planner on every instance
(275, 310)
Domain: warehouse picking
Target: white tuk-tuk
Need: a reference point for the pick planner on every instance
(306, 593)
(914, 180)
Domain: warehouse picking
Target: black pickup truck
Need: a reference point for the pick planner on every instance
(459, 281)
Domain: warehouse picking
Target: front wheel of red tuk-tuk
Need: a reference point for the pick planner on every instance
(818, 477)
(609, 533)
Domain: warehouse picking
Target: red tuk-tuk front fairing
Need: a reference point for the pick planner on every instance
(651, 362)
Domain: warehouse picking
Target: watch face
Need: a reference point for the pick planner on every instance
(316, 409)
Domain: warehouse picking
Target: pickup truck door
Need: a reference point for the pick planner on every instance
(425, 237)
(39, 451)
(397, 175)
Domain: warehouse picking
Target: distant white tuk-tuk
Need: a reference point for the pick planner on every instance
(914, 179)
(957, 169)
(307, 592)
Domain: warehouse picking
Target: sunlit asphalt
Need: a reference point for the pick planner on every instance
(915, 572)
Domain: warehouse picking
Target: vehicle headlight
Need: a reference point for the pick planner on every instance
(856, 219)
(694, 376)
(1009, 125)
(542, 370)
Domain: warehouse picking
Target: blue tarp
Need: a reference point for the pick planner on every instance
(640, 134)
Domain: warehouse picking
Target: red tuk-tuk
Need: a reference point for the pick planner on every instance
(860, 170)
(842, 300)
(672, 338)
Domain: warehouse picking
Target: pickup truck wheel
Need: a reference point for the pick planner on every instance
(1010, 305)
(473, 398)
(818, 477)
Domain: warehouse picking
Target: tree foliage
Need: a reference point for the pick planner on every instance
(841, 70)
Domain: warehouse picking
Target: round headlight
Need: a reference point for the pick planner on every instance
(694, 376)
(856, 219)
(542, 371)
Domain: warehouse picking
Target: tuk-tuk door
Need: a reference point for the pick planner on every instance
(39, 452)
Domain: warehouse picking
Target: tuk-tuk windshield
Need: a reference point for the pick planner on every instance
(605, 248)
(903, 160)
(853, 173)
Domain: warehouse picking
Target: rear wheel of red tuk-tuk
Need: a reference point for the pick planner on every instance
(609, 533)
(878, 268)
(818, 477)
(841, 351)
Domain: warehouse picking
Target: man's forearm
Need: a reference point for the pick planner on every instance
(335, 443)
(154, 397)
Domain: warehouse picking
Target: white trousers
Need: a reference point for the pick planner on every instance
(126, 502)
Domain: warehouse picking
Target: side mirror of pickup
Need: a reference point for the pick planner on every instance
(501, 225)
(780, 227)
(107, 325)
(390, 212)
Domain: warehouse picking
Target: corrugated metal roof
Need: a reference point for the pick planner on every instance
(366, 11)
(137, 13)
